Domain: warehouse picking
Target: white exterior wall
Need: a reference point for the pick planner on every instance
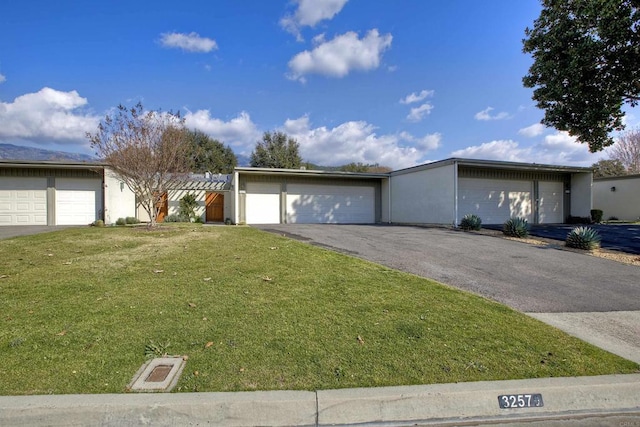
(424, 197)
(581, 200)
(385, 202)
(120, 201)
(174, 197)
(623, 203)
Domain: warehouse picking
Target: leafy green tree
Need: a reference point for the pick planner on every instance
(210, 155)
(276, 150)
(611, 167)
(586, 55)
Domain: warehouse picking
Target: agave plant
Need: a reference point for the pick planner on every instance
(516, 227)
(583, 238)
(470, 222)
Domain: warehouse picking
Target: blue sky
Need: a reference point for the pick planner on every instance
(397, 83)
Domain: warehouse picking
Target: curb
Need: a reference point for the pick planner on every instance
(474, 403)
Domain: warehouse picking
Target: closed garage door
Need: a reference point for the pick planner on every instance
(23, 201)
(494, 200)
(319, 204)
(550, 196)
(262, 203)
(77, 200)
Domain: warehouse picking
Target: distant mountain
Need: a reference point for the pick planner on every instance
(15, 152)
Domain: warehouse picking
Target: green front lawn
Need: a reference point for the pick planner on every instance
(252, 311)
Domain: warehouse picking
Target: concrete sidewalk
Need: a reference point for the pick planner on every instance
(602, 400)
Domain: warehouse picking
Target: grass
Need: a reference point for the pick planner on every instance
(252, 311)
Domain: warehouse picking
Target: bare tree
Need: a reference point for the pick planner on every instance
(627, 150)
(147, 150)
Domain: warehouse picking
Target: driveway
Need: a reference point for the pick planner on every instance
(527, 278)
(595, 299)
(8, 231)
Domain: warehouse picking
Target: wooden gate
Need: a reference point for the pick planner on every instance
(214, 203)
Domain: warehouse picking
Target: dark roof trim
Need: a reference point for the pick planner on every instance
(616, 178)
(493, 164)
(307, 173)
(49, 164)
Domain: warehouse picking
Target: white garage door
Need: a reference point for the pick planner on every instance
(262, 203)
(320, 204)
(23, 201)
(494, 200)
(550, 198)
(77, 200)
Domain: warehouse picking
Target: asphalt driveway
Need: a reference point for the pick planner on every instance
(525, 277)
(8, 231)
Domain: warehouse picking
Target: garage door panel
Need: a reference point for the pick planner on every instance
(550, 202)
(328, 204)
(23, 201)
(77, 200)
(262, 203)
(495, 201)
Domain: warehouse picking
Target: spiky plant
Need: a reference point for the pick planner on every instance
(583, 238)
(516, 227)
(470, 222)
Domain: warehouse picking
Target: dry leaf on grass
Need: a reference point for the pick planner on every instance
(209, 344)
(360, 340)
(192, 305)
(61, 333)
(158, 271)
(4, 276)
(206, 279)
(273, 248)
(267, 278)
(67, 263)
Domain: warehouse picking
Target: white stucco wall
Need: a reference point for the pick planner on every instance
(623, 203)
(424, 196)
(120, 201)
(581, 199)
(384, 201)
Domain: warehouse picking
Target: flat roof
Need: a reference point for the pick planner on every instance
(49, 164)
(493, 164)
(307, 173)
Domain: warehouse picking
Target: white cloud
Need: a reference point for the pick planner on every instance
(416, 97)
(418, 113)
(486, 115)
(532, 131)
(191, 42)
(309, 13)
(357, 141)
(2, 78)
(46, 116)
(555, 149)
(338, 57)
(240, 132)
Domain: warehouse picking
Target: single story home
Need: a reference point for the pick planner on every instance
(618, 197)
(434, 193)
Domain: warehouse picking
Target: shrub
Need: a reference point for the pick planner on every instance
(120, 221)
(98, 223)
(583, 238)
(188, 205)
(132, 220)
(199, 220)
(516, 227)
(596, 215)
(470, 222)
(175, 218)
